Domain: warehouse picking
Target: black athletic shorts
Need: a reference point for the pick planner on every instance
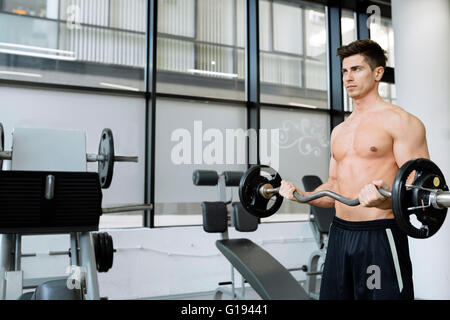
(367, 260)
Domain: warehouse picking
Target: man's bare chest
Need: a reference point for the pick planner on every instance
(364, 139)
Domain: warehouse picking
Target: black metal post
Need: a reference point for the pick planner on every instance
(252, 81)
(335, 93)
(150, 106)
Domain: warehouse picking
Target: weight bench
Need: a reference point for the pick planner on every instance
(269, 278)
(53, 290)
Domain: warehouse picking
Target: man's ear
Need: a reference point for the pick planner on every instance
(379, 71)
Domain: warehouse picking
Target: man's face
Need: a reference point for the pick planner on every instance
(358, 77)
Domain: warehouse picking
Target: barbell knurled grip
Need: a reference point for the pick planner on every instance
(327, 193)
(337, 197)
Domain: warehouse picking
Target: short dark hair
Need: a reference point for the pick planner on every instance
(374, 55)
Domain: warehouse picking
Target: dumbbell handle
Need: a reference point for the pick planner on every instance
(90, 157)
(128, 208)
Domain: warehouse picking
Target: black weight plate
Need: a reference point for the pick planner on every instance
(403, 198)
(110, 251)
(95, 240)
(249, 194)
(106, 167)
(2, 143)
(103, 253)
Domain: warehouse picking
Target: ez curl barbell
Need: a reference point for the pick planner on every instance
(427, 197)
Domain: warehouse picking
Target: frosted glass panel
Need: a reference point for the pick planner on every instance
(303, 150)
(189, 136)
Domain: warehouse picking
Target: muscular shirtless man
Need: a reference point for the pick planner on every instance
(367, 256)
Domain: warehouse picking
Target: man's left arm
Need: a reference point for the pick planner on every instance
(409, 142)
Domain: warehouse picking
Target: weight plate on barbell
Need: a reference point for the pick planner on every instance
(106, 166)
(249, 194)
(405, 197)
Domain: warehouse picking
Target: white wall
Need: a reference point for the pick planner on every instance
(183, 260)
(148, 262)
(422, 75)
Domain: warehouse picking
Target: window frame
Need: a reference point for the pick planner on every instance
(252, 82)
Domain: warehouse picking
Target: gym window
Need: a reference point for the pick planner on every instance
(98, 44)
(101, 46)
(293, 68)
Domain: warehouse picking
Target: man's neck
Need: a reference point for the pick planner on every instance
(366, 103)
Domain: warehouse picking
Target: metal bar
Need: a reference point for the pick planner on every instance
(90, 157)
(233, 288)
(126, 159)
(17, 251)
(443, 199)
(50, 253)
(6, 260)
(5, 155)
(74, 250)
(88, 264)
(127, 208)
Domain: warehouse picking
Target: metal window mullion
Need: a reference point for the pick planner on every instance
(235, 44)
(150, 106)
(304, 48)
(335, 93)
(196, 24)
(362, 31)
(252, 79)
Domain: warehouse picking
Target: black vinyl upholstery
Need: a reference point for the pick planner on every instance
(269, 279)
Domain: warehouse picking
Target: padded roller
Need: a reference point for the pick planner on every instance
(205, 178)
(232, 178)
(242, 220)
(215, 216)
(56, 290)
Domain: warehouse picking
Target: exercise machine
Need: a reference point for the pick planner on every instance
(49, 191)
(268, 277)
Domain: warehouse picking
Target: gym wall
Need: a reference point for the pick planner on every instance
(155, 262)
(421, 55)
